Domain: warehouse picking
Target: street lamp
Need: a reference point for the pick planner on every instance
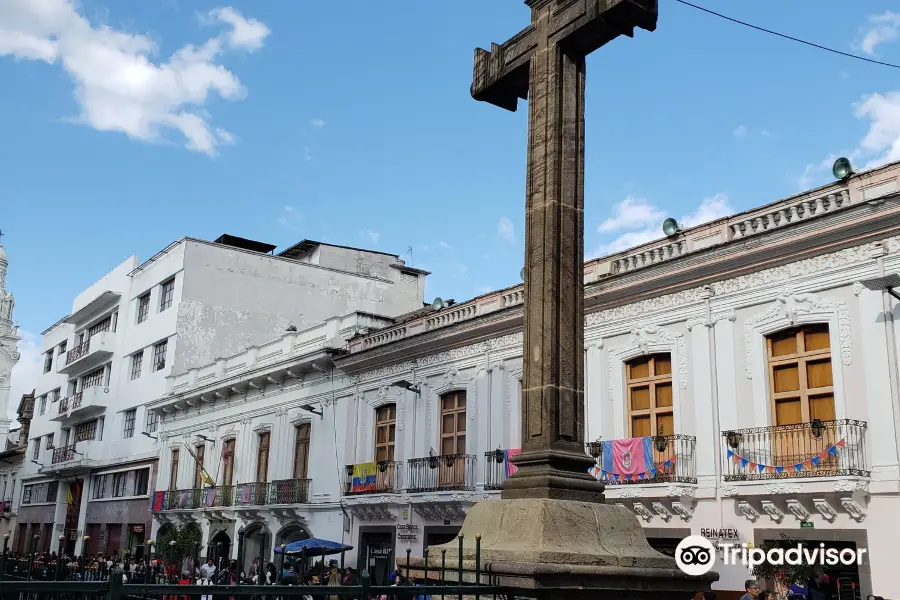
(241, 533)
(281, 566)
(34, 543)
(5, 550)
(59, 554)
(172, 560)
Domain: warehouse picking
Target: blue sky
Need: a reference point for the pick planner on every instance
(128, 125)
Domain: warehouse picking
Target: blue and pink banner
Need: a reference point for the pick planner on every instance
(798, 467)
(629, 459)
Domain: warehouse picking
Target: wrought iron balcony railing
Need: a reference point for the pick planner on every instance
(70, 402)
(814, 449)
(78, 351)
(183, 499)
(434, 473)
(289, 491)
(64, 454)
(669, 459)
(386, 479)
(496, 468)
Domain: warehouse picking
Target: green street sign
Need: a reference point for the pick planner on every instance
(807, 525)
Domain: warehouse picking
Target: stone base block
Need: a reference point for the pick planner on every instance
(550, 548)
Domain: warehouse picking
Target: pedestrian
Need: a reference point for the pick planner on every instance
(751, 586)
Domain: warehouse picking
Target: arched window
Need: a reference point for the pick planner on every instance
(453, 423)
(800, 379)
(649, 381)
(385, 432)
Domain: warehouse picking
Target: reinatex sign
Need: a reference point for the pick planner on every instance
(719, 536)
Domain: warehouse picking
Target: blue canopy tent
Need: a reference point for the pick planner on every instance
(313, 547)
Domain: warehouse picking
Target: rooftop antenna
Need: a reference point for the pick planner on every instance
(438, 303)
(409, 251)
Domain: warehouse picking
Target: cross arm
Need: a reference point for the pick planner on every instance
(583, 26)
(501, 75)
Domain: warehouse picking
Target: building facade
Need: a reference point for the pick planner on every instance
(92, 453)
(9, 339)
(754, 356)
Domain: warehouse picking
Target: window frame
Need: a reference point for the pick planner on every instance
(229, 448)
(137, 365)
(302, 436)
(143, 308)
(174, 463)
(801, 359)
(129, 419)
(263, 447)
(160, 349)
(651, 382)
(457, 411)
(166, 294)
(386, 420)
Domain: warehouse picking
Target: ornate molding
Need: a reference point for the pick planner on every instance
(643, 512)
(851, 485)
(798, 510)
(382, 397)
(644, 339)
(674, 491)
(683, 510)
(746, 509)
(785, 310)
(630, 491)
(650, 305)
(515, 375)
(784, 488)
(663, 511)
(825, 509)
(855, 509)
(729, 492)
(775, 513)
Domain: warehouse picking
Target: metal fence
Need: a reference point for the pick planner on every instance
(445, 472)
(27, 578)
(814, 449)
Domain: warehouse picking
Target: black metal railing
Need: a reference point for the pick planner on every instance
(447, 472)
(672, 460)
(183, 499)
(289, 491)
(64, 454)
(496, 469)
(387, 479)
(251, 494)
(814, 449)
(78, 351)
(6, 506)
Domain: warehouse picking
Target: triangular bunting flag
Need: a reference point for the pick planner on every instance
(744, 462)
(762, 468)
(752, 465)
(840, 444)
(730, 453)
(667, 464)
(779, 470)
(815, 460)
(832, 450)
(799, 467)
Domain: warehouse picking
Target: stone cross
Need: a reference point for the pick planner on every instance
(545, 63)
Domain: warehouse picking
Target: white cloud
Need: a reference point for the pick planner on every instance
(118, 86)
(445, 245)
(739, 131)
(290, 218)
(882, 29)
(372, 236)
(648, 226)
(317, 123)
(710, 209)
(506, 230)
(765, 133)
(632, 213)
(27, 371)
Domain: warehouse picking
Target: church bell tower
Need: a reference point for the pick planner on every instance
(9, 356)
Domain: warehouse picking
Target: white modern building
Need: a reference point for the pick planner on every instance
(756, 353)
(92, 449)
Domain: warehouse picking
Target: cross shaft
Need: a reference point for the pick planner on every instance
(545, 63)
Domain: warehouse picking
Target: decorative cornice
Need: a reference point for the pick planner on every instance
(644, 339)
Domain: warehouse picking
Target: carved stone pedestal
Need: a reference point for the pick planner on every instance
(558, 548)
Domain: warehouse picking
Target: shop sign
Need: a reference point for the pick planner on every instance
(407, 532)
(137, 529)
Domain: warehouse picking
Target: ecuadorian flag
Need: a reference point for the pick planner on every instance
(363, 477)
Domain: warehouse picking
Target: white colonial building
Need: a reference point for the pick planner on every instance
(92, 451)
(757, 353)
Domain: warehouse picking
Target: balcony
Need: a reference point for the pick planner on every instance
(182, 499)
(64, 454)
(89, 354)
(438, 473)
(84, 404)
(497, 468)
(6, 507)
(218, 497)
(668, 459)
(283, 491)
(386, 479)
(803, 450)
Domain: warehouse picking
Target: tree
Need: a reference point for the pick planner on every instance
(185, 537)
(784, 574)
